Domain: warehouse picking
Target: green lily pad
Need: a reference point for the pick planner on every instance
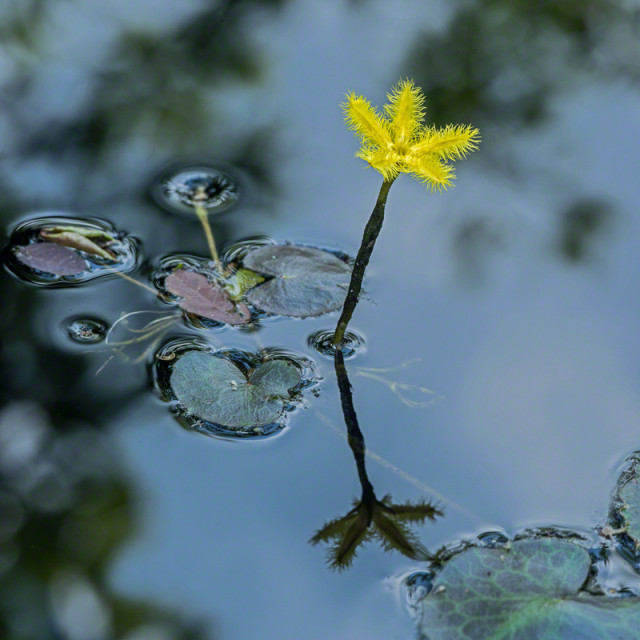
(306, 282)
(529, 590)
(215, 389)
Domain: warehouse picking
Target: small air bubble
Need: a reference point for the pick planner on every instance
(86, 330)
(419, 584)
(493, 539)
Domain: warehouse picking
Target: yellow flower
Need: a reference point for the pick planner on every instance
(396, 141)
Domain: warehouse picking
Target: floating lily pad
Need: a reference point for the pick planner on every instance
(215, 389)
(530, 589)
(51, 258)
(206, 299)
(61, 251)
(306, 282)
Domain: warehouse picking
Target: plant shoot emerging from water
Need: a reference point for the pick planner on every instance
(393, 142)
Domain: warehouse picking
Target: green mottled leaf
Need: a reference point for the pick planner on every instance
(214, 389)
(527, 591)
(306, 282)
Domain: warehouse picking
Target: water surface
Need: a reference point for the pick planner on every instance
(513, 298)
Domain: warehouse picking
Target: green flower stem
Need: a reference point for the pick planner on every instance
(369, 238)
(201, 212)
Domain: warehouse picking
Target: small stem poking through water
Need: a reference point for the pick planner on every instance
(201, 212)
(369, 238)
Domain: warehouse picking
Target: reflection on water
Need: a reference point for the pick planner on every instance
(503, 61)
(383, 520)
(539, 375)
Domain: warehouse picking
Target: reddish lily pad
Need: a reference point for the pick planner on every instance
(206, 299)
(51, 258)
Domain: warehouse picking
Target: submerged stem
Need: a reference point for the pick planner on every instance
(132, 280)
(369, 238)
(201, 212)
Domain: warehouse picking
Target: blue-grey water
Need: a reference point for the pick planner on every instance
(513, 297)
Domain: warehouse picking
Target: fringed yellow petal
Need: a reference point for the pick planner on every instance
(432, 171)
(364, 120)
(451, 142)
(405, 111)
(386, 162)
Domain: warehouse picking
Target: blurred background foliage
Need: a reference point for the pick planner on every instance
(65, 509)
(502, 62)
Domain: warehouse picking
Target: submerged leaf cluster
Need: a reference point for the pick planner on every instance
(395, 141)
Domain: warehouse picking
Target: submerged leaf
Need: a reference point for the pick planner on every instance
(51, 258)
(78, 238)
(215, 390)
(530, 589)
(206, 299)
(307, 282)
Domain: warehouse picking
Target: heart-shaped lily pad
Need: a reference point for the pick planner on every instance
(206, 299)
(306, 281)
(215, 389)
(530, 589)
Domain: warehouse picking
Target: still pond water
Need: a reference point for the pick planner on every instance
(499, 377)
